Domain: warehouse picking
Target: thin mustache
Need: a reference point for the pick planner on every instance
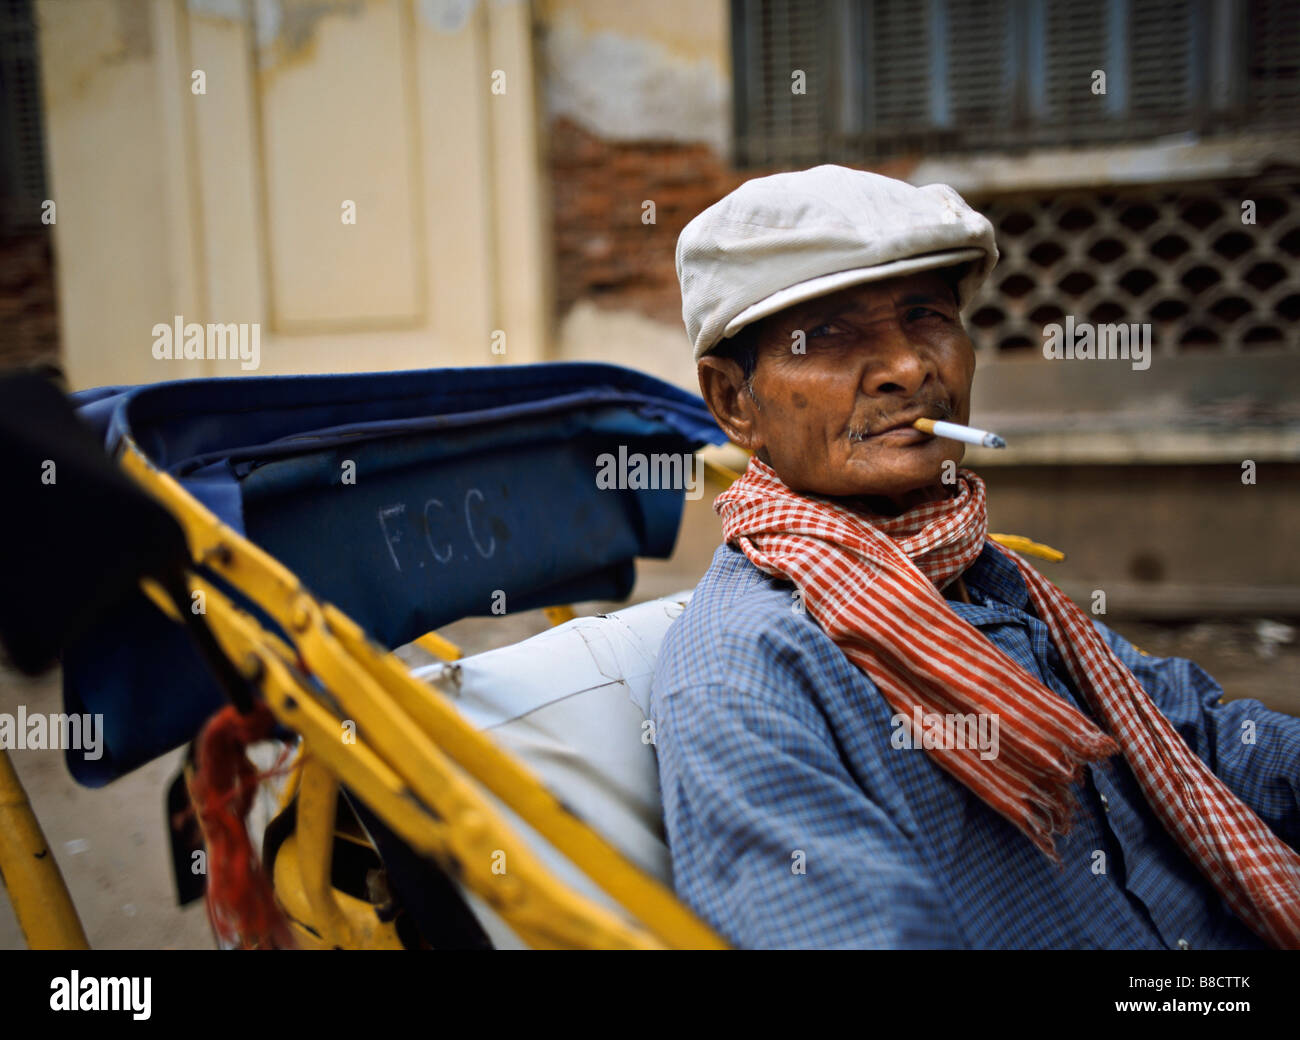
(940, 410)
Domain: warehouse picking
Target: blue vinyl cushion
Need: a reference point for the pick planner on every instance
(468, 482)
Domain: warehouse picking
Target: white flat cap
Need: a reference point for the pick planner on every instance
(779, 240)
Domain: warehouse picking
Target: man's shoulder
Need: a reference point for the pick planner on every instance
(739, 621)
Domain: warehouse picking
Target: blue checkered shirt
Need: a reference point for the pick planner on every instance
(793, 822)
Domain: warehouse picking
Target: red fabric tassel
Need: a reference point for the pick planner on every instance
(241, 902)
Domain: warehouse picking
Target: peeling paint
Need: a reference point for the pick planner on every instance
(286, 29)
(221, 10)
(1157, 162)
(299, 18)
(625, 88)
(134, 30)
(266, 22)
(445, 16)
(90, 38)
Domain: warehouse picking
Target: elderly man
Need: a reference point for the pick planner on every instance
(823, 707)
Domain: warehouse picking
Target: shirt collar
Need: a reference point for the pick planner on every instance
(997, 578)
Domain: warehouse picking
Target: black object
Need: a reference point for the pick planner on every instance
(76, 535)
(186, 840)
(426, 893)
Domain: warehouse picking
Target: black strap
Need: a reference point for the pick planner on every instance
(427, 894)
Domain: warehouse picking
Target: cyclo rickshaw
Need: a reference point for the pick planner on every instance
(503, 799)
(232, 562)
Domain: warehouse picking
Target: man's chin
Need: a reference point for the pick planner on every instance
(880, 474)
(911, 487)
(899, 471)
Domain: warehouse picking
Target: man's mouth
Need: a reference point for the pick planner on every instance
(898, 430)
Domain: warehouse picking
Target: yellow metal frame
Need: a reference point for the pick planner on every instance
(36, 887)
(410, 756)
(320, 915)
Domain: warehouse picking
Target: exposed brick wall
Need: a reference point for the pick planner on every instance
(29, 325)
(603, 252)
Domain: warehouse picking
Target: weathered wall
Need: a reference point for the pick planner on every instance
(28, 312)
(1125, 471)
(227, 206)
(638, 107)
(1161, 541)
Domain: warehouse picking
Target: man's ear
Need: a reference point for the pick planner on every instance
(722, 385)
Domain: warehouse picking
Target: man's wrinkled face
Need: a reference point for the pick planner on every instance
(834, 419)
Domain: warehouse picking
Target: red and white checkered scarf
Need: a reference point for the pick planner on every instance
(873, 583)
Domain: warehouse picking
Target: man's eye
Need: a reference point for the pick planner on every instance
(821, 330)
(925, 313)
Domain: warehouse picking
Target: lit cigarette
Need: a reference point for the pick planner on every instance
(957, 432)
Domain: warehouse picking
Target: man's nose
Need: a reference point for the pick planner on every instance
(895, 364)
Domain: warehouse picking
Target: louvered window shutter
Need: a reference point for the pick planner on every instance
(929, 76)
(22, 153)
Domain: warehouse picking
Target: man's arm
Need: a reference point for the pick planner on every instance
(1253, 750)
(772, 840)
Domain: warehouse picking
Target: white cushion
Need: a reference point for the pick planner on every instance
(571, 704)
